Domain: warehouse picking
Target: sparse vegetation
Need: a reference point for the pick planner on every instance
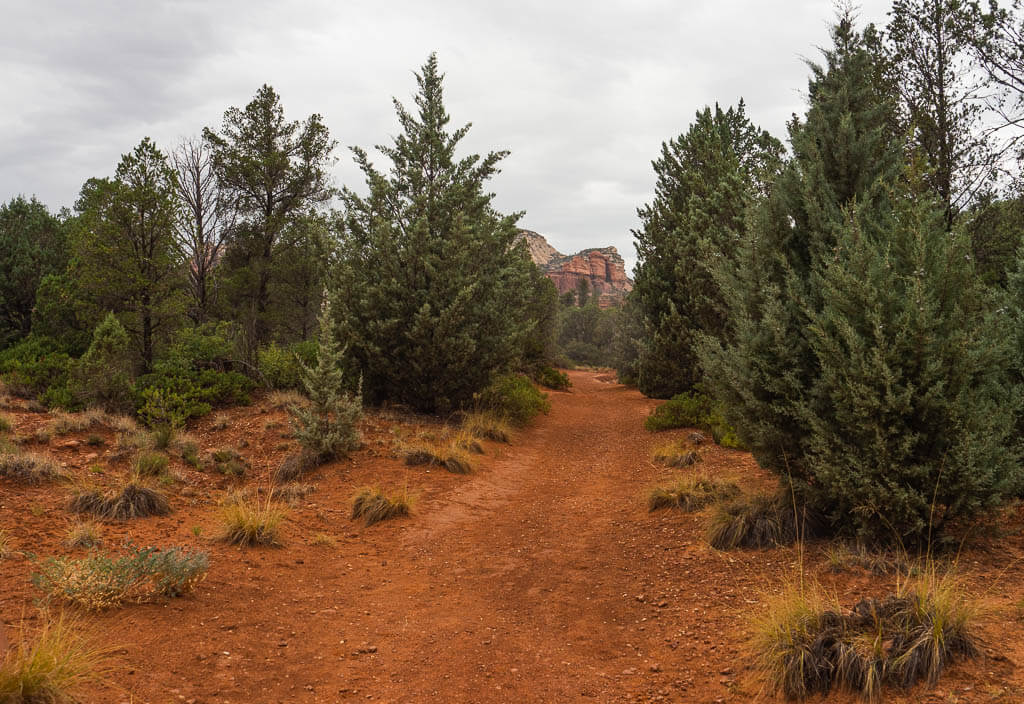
(806, 644)
(151, 464)
(84, 535)
(677, 454)
(5, 424)
(759, 521)
(132, 500)
(374, 505)
(99, 581)
(228, 462)
(5, 544)
(487, 426)
(447, 453)
(294, 466)
(53, 666)
(252, 522)
(28, 468)
(691, 494)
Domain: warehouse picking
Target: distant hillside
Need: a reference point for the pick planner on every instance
(602, 267)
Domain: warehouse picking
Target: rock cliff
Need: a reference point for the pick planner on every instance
(602, 267)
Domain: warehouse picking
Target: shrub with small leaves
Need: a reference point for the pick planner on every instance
(100, 581)
(514, 397)
(328, 427)
(552, 378)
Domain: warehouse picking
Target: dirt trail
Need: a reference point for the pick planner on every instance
(541, 578)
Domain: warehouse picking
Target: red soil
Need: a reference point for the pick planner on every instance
(540, 578)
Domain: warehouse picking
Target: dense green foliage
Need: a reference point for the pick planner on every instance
(512, 396)
(706, 178)
(102, 378)
(31, 248)
(865, 363)
(431, 290)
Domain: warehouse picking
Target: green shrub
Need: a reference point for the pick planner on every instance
(328, 427)
(552, 378)
(100, 581)
(37, 368)
(102, 378)
(685, 410)
(514, 397)
(281, 367)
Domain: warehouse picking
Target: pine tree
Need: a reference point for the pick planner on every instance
(431, 286)
(327, 428)
(706, 178)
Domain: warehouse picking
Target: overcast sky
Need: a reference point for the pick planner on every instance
(582, 93)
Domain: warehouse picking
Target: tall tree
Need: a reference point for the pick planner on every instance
(706, 179)
(931, 55)
(431, 288)
(273, 171)
(32, 246)
(844, 152)
(126, 255)
(205, 219)
(996, 36)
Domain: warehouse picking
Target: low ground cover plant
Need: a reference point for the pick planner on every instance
(693, 410)
(515, 398)
(760, 521)
(100, 581)
(552, 378)
(486, 425)
(375, 505)
(679, 453)
(448, 452)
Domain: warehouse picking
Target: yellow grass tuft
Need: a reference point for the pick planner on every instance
(250, 522)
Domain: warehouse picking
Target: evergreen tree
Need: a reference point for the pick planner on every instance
(843, 152)
(31, 247)
(102, 378)
(273, 172)
(126, 255)
(911, 416)
(706, 178)
(327, 428)
(431, 286)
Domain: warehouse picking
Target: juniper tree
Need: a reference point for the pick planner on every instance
(431, 288)
(863, 363)
(103, 378)
(706, 178)
(327, 427)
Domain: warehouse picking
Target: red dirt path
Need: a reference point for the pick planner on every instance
(540, 578)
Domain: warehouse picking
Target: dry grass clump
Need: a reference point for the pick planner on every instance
(52, 667)
(282, 400)
(84, 535)
(690, 494)
(220, 422)
(132, 500)
(28, 468)
(294, 466)
(805, 644)
(445, 453)
(487, 426)
(758, 521)
(844, 557)
(252, 522)
(374, 505)
(228, 462)
(5, 424)
(323, 540)
(151, 464)
(68, 423)
(677, 454)
(5, 544)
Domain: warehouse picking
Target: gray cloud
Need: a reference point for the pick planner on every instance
(582, 93)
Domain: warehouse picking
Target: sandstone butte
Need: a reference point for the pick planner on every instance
(602, 267)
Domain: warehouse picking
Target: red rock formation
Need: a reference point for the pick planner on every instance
(602, 268)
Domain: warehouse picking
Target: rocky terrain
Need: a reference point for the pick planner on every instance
(602, 267)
